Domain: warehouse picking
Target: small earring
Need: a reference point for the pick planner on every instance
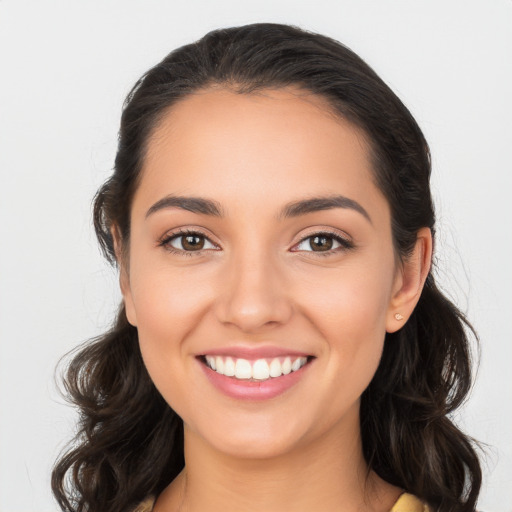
(398, 317)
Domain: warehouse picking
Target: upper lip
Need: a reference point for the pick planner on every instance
(253, 353)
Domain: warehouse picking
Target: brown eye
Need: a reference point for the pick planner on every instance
(321, 243)
(326, 243)
(192, 242)
(187, 242)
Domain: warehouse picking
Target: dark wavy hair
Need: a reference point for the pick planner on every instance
(129, 443)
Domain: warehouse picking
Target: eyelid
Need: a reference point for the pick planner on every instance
(326, 231)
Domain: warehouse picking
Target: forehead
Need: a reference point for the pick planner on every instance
(273, 145)
(268, 116)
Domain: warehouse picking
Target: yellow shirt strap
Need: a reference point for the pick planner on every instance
(406, 503)
(409, 503)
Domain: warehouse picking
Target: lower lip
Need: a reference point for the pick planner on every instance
(253, 390)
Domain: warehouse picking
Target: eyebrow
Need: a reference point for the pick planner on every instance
(205, 206)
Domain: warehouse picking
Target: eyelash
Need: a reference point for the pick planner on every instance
(345, 244)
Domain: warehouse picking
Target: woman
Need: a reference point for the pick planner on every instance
(282, 344)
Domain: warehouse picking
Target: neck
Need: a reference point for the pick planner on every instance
(329, 474)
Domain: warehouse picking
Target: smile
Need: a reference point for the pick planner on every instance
(256, 370)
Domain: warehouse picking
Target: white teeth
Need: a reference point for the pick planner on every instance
(287, 366)
(275, 369)
(219, 365)
(229, 367)
(296, 364)
(243, 369)
(260, 369)
(211, 362)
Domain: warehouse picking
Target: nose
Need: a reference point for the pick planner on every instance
(252, 294)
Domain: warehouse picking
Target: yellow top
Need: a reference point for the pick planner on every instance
(406, 503)
(409, 503)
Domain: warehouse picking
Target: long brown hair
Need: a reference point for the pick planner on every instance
(130, 442)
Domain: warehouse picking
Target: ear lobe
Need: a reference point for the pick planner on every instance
(409, 282)
(124, 276)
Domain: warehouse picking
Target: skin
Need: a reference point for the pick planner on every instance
(258, 281)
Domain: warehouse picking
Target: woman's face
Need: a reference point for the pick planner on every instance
(260, 242)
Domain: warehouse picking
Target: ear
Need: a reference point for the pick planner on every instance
(124, 275)
(409, 281)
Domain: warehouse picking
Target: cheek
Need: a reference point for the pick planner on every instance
(353, 300)
(167, 314)
(350, 313)
(168, 307)
(165, 298)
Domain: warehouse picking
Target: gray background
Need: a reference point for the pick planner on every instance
(65, 67)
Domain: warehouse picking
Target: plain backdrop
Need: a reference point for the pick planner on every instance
(65, 68)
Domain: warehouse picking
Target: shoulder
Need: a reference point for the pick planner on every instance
(409, 503)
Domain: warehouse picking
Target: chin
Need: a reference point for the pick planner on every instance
(256, 441)
(254, 448)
